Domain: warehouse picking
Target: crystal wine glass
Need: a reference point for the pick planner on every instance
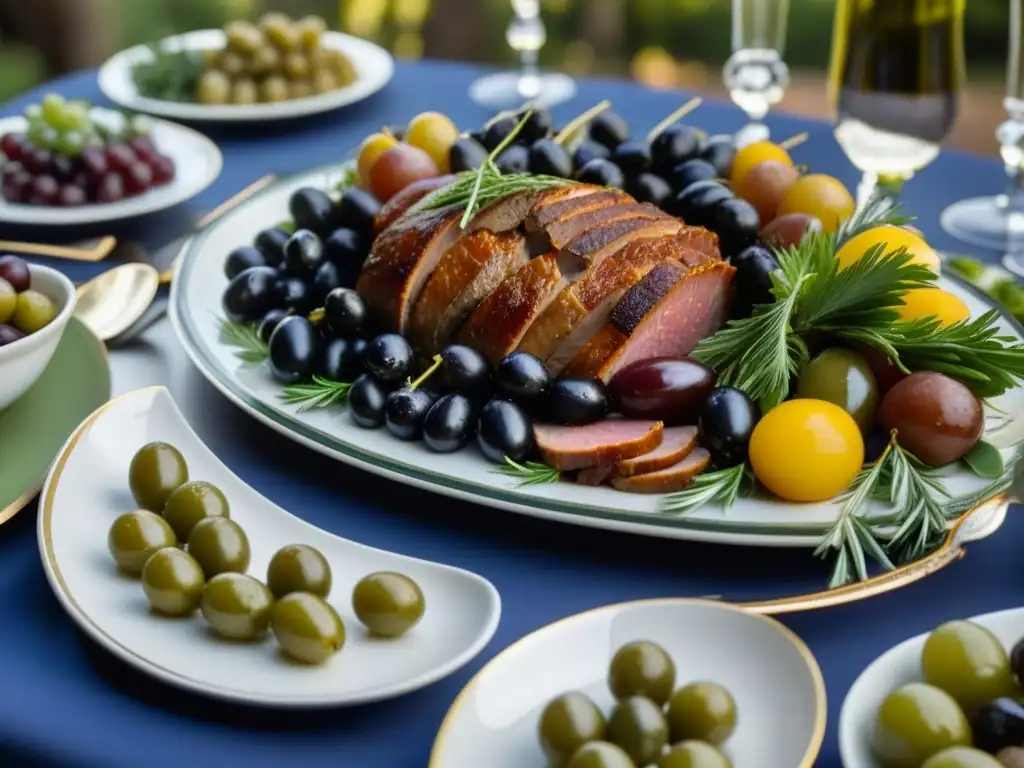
(507, 90)
(755, 74)
(997, 221)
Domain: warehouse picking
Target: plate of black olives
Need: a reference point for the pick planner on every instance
(655, 683)
(172, 563)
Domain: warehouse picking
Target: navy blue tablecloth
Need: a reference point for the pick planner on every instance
(64, 702)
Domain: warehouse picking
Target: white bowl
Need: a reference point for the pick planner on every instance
(24, 361)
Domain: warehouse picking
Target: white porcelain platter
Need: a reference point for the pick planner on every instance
(894, 668)
(771, 674)
(374, 67)
(197, 164)
(195, 309)
(88, 488)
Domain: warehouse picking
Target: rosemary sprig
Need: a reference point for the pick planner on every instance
(910, 492)
(881, 209)
(251, 348)
(318, 393)
(530, 472)
(722, 486)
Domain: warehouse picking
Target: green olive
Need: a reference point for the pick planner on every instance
(388, 603)
(283, 34)
(8, 301)
(962, 757)
(299, 568)
(307, 628)
(324, 82)
(702, 711)
(33, 311)
(173, 582)
(642, 669)
(274, 88)
(135, 536)
(600, 754)
(310, 30)
(156, 471)
(243, 37)
(266, 59)
(300, 89)
(566, 724)
(842, 377)
(192, 502)
(694, 754)
(219, 545)
(236, 606)
(916, 721)
(244, 91)
(214, 87)
(232, 64)
(969, 663)
(638, 725)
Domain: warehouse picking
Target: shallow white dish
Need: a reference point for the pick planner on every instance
(896, 667)
(373, 64)
(771, 674)
(197, 164)
(87, 489)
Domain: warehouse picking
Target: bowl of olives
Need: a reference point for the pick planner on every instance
(951, 698)
(36, 304)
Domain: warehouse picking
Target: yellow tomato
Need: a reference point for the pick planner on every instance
(373, 146)
(434, 134)
(821, 196)
(933, 302)
(752, 155)
(806, 450)
(893, 238)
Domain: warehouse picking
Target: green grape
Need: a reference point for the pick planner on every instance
(71, 143)
(33, 112)
(76, 117)
(53, 109)
(139, 125)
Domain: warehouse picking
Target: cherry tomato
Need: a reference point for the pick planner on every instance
(820, 196)
(399, 167)
(752, 155)
(892, 238)
(434, 134)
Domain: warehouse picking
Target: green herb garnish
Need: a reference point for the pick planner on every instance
(985, 460)
(318, 393)
(722, 486)
(170, 76)
(251, 348)
(530, 472)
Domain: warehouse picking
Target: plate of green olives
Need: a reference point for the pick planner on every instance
(950, 698)
(172, 563)
(671, 683)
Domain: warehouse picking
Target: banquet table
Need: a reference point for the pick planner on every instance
(66, 702)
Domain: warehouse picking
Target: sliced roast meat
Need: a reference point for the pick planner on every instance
(602, 345)
(497, 325)
(595, 475)
(603, 442)
(467, 273)
(597, 243)
(510, 212)
(639, 300)
(398, 205)
(563, 231)
(676, 445)
(587, 197)
(700, 245)
(401, 260)
(669, 480)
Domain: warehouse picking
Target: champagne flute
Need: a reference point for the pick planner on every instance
(755, 74)
(505, 90)
(897, 68)
(997, 221)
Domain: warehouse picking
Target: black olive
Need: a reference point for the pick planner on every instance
(515, 159)
(537, 126)
(326, 279)
(690, 172)
(448, 423)
(632, 156)
(240, 259)
(312, 209)
(649, 188)
(348, 250)
(754, 267)
(341, 359)
(604, 173)
(522, 378)
(573, 401)
(405, 411)
(303, 252)
(270, 242)
(478, 136)
(736, 223)
(675, 145)
(504, 429)
(250, 295)
(293, 293)
(498, 131)
(389, 357)
(269, 323)
(463, 369)
(550, 159)
(589, 150)
(997, 725)
(366, 399)
(357, 210)
(695, 204)
(609, 128)
(725, 424)
(293, 349)
(345, 312)
(719, 151)
(466, 154)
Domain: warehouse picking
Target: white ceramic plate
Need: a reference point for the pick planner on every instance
(894, 668)
(373, 64)
(197, 162)
(771, 674)
(87, 489)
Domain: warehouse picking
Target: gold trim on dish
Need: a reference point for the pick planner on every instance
(820, 696)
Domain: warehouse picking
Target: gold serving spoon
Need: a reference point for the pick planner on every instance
(112, 302)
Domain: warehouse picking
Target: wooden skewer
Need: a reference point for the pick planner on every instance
(96, 252)
(794, 141)
(586, 117)
(676, 116)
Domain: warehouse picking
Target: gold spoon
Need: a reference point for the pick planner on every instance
(113, 301)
